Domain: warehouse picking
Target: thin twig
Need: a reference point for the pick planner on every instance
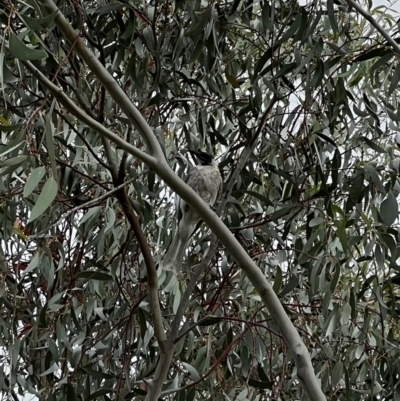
(152, 281)
(212, 368)
(88, 204)
(375, 24)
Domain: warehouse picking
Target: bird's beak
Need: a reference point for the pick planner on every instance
(193, 152)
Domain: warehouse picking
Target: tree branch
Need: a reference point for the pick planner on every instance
(161, 168)
(132, 218)
(59, 94)
(150, 266)
(106, 79)
(155, 386)
(375, 24)
(88, 204)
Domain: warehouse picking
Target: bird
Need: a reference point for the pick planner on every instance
(206, 180)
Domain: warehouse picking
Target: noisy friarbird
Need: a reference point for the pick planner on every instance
(206, 180)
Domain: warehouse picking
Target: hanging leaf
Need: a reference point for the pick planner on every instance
(360, 112)
(38, 24)
(19, 50)
(337, 373)
(380, 52)
(260, 384)
(209, 321)
(45, 199)
(374, 146)
(331, 16)
(395, 80)
(318, 74)
(375, 177)
(92, 275)
(389, 209)
(192, 371)
(34, 178)
(49, 130)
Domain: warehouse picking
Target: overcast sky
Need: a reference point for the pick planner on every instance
(395, 5)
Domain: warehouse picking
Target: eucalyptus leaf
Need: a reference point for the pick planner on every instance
(38, 24)
(21, 51)
(92, 275)
(34, 178)
(45, 199)
(389, 209)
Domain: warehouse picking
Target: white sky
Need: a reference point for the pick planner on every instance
(395, 5)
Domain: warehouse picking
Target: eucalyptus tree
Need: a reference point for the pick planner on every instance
(100, 103)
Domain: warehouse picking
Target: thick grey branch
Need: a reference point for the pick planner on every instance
(59, 94)
(257, 278)
(79, 113)
(161, 168)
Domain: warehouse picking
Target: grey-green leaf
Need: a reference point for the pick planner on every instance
(375, 177)
(45, 199)
(318, 74)
(34, 178)
(49, 129)
(337, 373)
(38, 24)
(21, 51)
(331, 16)
(13, 161)
(389, 209)
(93, 275)
(395, 80)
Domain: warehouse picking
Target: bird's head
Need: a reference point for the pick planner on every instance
(204, 158)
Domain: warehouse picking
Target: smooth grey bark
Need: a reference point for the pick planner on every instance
(161, 168)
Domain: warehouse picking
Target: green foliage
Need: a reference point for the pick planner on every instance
(316, 205)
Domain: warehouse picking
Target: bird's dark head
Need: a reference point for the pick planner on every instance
(203, 158)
